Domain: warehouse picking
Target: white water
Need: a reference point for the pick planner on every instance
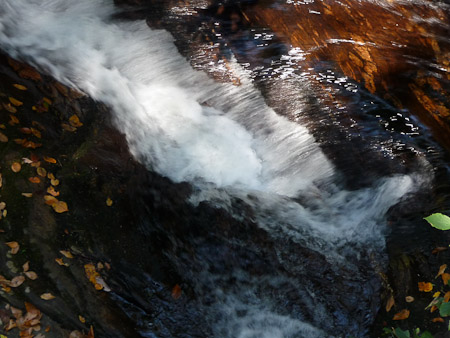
(221, 138)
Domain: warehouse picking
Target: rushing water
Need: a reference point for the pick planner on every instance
(226, 142)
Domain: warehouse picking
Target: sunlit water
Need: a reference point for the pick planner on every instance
(221, 138)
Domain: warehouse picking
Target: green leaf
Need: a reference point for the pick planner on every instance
(439, 221)
(426, 334)
(401, 334)
(444, 310)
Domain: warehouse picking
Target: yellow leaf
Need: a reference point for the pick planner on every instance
(49, 159)
(50, 200)
(436, 294)
(82, 319)
(425, 287)
(16, 167)
(404, 314)
(15, 102)
(54, 182)
(41, 172)
(66, 254)
(3, 138)
(19, 86)
(51, 176)
(390, 303)
(60, 207)
(109, 202)
(2, 205)
(441, 270)
(47, 296)
(74, 121)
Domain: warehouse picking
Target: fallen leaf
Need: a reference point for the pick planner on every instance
(91, 332)
(17, 281)
(49, 159)
(17, 313)
(26, 131)
(1, 180)
(11, 325)
(3, 138)
(36, 133)
(26, 267)
(47, 296)
(61, 262)
(2, 126)
(50, 200)
(76, 334)
(438, 249)
(176, 292)
(16, 167)
(41, 172)
(47, 100)
(19, 86)
(441, 270)
(52, 191)
(15, 102)
(109, 202)
(409, 299)
(26, 160)
(14, 247)
(436, 294)
(27, 194)
(60, 207)
(433, 308)
(36, 164)
(74, 121)
(10, 108)
(438, 320)
(81, 319)
(2, 205)
(31, 275)
(54, 182)
(447, 297)
(445, 278)
(390, 303)
(31, 145)
(425, 287)
(66, 254)
(404, 314)
(68, 127)
(35, 180)
(13, 120)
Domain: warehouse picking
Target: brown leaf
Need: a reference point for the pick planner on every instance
(15, 102)
(31, 275)
(60, 207)
(438, 320)
(52, 191)
(447, 297)
(49, 159)
(176, 292)
(3, 137)
(425, 287)
(27, 194)
(10, 108)
(390, 303)
(66, 254)
(19, 86)
(17, 313)
(14, 247)
(36, 133)
(26, 267)
(404, 314)
(438, 249)
(30, 73)
(91, 332)
(35, 180)
(31, 145)
(11, 325)
(16, 167)
(17, 281)
(41, 172)
(26, 131)
(68, 127)
(74, 121)
(409, 299)
(76, 334)
(441, 270)
(13, 120)
(445, 278)
(47, 296)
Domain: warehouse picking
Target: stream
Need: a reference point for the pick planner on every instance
(282, 231)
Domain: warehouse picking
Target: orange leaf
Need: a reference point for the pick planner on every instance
(68, 127)
(49, 159)
(74, 121)
(47, 296)
(425, 287)
(36, 132)
(19, 86)
(16, 167)
(26, 267)
(61, 262)
(438, 320)
(50, 200)
(14, 247)
(91, 332)
(60, 207)
(66, 254)
(441, 270)
(176, 292)
(433, 308)
(445, 278)
(447, 297)
(15, 102)
(390, 303)
(35, 180)
(404, 314)
(52, 191)
(3, 138)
